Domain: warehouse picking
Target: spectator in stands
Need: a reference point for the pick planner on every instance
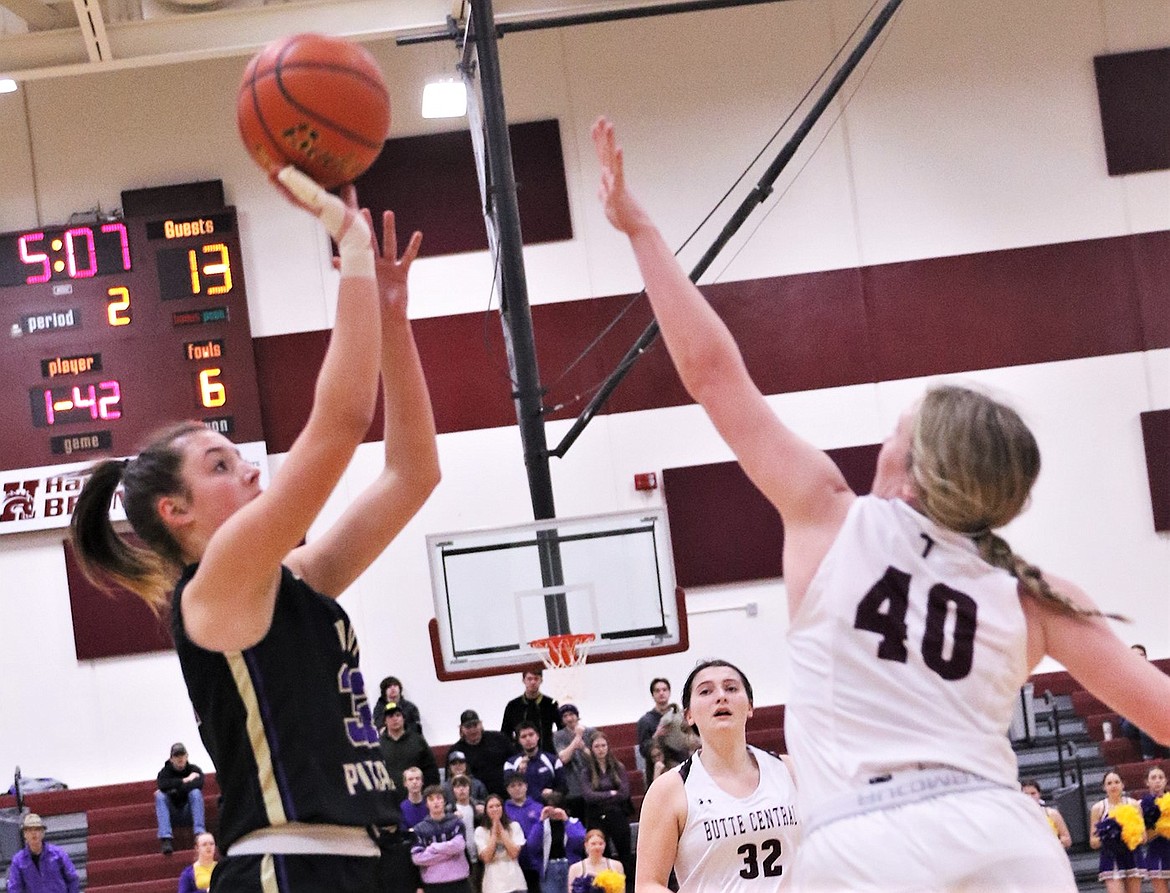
(532, 706)
(572, 742)
(658, 762)
(606, 788)
(403, 747)
(1118, 868)
(414, 805)
(40, 867)
(498, 842)
(391, 690)
(675, 734)
(595, 860)
(648, 722)
(1151, 749)
(486, 751)
(1031, 787)
(525, 811)
(457, 766)
(440, 850)
(1156, 858)
(179, 798)
(197, 876)
(469, 813)
(559, 840)
(541, 769)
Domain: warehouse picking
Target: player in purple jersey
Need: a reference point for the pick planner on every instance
(269, 657)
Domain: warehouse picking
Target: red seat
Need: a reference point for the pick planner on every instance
(1086, 704)
(1120, 751)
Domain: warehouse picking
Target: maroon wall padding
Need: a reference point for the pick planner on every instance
(430, 183)
(723, 530)
(815, 330)
(108, 625)
(1133, 90)
(1156, 435)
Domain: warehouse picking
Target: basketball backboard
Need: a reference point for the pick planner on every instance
(496, 590)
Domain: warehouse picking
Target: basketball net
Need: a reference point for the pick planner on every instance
(564, 660)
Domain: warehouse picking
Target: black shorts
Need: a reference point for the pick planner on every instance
(295, 874)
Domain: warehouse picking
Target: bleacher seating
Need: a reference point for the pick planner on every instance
(122, 854)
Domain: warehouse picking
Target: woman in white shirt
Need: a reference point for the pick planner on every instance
(498, 840)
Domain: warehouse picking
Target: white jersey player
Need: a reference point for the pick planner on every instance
(725, 820)
(897, 681)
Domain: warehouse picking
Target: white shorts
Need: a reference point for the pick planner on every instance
(993, 840)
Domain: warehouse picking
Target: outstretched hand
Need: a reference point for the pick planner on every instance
(393, 268)
(621, 208)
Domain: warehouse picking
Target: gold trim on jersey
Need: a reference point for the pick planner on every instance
(268, 875)
(266, 772)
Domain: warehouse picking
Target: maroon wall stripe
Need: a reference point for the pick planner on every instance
(816, 330)
(723, 530)
(1156, 436)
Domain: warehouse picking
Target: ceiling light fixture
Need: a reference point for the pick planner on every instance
(7, 85)
(444, 99)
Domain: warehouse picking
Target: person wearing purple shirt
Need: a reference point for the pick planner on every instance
(40, 867)
(414, 806)
(525, 811)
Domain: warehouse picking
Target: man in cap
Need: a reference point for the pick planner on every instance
(40, 867)
(179, 798)
(477, 790)
(403, 747)
(486, 751)
(572, 743)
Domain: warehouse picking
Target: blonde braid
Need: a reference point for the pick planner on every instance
(994, 549)
(973, 462)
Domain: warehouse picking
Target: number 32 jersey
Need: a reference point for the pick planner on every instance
(732, 844)
(907, 650)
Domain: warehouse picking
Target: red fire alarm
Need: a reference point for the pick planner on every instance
(646, 481)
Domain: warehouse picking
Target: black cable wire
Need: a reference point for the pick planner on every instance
(592, 389)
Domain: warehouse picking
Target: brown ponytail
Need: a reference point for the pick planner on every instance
(106, 558)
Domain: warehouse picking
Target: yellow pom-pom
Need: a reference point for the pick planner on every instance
(610, 881)
(1133, 826)
(1163, 824)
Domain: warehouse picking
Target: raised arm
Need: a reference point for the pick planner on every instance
(228, 604)
(800, 480)
(410, 470)
(1094, 655)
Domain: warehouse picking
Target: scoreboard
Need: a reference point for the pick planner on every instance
(111, 330)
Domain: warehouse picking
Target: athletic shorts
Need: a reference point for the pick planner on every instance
(295, 874)
(993, 840)
(1157, 858)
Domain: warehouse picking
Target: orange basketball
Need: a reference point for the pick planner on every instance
(315, 102)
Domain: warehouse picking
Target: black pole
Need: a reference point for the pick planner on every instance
(515, 314)
(757, 196)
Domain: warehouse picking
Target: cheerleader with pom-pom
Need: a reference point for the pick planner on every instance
(1156, 812)
(596, 870)
(1117, 829)
(1031, 787)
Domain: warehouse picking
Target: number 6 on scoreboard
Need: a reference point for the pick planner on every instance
(212, 393)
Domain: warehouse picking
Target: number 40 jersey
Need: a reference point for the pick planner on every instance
(732, 844)
(907, 651)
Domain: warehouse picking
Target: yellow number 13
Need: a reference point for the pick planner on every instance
(222, 269)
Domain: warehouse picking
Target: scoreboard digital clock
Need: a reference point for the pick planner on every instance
(113, 329)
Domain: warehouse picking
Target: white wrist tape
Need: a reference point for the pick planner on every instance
(347, 227)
